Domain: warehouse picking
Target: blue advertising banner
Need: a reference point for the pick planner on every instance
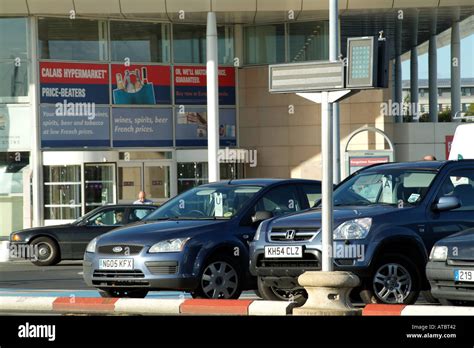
(191, 127)
(142, 127)
(74, 125)
(74, 82)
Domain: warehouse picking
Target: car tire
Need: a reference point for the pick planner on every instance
(123, 293)
(47, 252)
(221, 278)
(390, 271)
(429, 297)
(271, 293)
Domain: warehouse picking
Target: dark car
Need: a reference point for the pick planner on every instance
(50, 244)
(451, 269)
(386, 219)
(196, 242)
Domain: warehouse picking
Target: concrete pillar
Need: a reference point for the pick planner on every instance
(414, 97)
(455, 71)
(398, 68)
(433, 70)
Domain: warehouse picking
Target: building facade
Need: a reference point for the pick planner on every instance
(101, 100)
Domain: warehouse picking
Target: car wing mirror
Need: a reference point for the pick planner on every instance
(447, 203)
(261, 215)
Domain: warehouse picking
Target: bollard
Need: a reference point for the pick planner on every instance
(328, 293)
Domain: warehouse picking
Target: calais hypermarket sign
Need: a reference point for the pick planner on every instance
(190, 85)
(74, 83)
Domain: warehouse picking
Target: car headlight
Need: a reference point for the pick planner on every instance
(168, 246)
(91, 246)
(439, 253)
(16, 238)
(353, 229)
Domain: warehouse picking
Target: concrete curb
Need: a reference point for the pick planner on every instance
(420, 310)
(95, 305)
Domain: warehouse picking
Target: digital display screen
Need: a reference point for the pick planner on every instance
(360, 62)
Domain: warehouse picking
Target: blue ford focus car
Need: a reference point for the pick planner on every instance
(197, 242)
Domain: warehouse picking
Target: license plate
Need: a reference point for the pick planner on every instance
(463, 275)
(116, 264)
(284, 251)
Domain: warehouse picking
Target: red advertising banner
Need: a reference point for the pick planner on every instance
(190, 85)
(74, 82)
(448, 143)
(141, 84)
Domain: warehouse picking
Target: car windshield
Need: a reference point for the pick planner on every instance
(217, 202)
(398, 187)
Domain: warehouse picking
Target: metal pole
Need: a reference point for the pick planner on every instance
(455, 70)
(398, 68)
(327, 204)
(333, 56)
(433, 71)
(414, 98)
(212, 98)
(37, 160)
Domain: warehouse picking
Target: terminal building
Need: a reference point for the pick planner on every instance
(102, 99)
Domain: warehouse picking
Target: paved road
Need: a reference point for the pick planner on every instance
(22, 278)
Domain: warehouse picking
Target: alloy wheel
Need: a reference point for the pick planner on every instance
(219, 280)
(392, 283)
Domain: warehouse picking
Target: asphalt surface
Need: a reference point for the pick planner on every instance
(22, 278)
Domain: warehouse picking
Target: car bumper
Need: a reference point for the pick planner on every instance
(161, 271)
(287, 270)
(443, 285)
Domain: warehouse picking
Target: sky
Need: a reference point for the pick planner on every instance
(444, 57)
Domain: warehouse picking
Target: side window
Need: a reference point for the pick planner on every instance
(279, 201)
(312, 193)
(138, 214)
(460, 183)
(110, 217)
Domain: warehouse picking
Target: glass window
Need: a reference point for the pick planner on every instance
(264, 44)
(78, 39)
(396, 187)
(312, 193)
(196, 173)
(98, 185)
(222, 201)
(12, 165)
(279, 201)
(138, 214)
(62, 192)
(191, 175)
(189, 44)
(111, 217)
(139, 41)
(13, 38)
(308, 41)
(460, 183)
(13, 79)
